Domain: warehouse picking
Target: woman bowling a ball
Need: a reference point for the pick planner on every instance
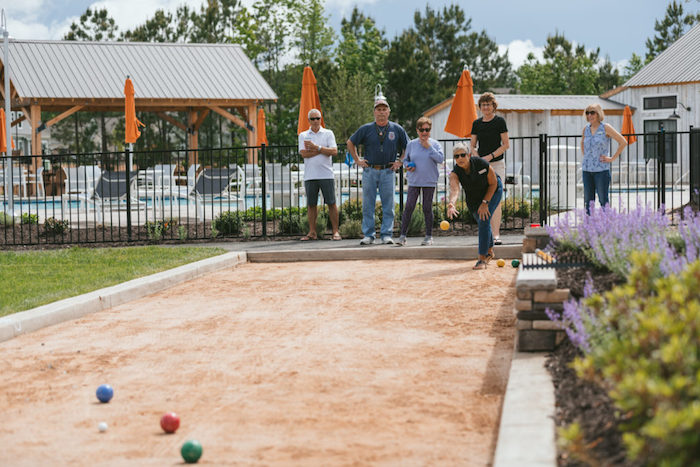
(483, 190)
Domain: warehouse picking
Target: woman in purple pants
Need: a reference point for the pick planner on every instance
(423, 155)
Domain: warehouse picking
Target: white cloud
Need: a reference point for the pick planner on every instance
(518, 50)
(342, 7)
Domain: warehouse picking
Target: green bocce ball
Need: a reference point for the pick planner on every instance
(191, 451)
(515, 263)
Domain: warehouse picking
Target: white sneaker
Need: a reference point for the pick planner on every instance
(497, 241)
(387, 240)
(367, 241)
(427, 241)
(401, 241)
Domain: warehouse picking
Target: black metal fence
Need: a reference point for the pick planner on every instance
(182, 194)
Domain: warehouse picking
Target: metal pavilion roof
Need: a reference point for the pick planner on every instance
(97, 70)
(680, 63)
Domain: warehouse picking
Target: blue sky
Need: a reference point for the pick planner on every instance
(618, 27)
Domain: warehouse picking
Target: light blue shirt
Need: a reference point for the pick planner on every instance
(426, 160)
(594, 146)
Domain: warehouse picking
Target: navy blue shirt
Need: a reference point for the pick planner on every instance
(382, 146)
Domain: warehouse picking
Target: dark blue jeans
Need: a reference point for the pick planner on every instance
(596, 182)
(485, 233)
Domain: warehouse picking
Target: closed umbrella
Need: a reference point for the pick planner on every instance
(3, 136)
(261, 137)
(132, 123)
(463, 110)
(627, 126)
(309, 100)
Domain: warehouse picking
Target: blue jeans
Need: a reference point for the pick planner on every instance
(373, 180)
(596, 182)
(485, 234)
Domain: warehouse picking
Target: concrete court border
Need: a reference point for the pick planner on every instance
(526, 429)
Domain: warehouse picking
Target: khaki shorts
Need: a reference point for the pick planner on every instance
(500, 168)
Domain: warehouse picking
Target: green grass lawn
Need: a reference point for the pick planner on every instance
(32, 278)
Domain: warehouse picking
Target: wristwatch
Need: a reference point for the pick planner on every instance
(483, 201)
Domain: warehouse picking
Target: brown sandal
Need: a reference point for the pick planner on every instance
(307, 238)
(480, 265)
(336, 236)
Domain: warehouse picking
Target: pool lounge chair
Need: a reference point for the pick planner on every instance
(110, 195)
(213, 187)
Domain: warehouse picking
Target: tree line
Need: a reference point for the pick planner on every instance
(417, 69)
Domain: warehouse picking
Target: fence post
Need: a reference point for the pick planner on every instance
(543, 178)
(694, 179)
(661, 168)
(263, 175)
(128, 193)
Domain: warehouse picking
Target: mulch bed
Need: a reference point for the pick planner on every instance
(581, 401)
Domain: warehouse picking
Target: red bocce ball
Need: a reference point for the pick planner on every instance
(170, 422)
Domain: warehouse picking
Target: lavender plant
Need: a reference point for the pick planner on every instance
(577, 319)
(608, 237)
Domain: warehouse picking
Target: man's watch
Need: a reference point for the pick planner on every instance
(483, 201)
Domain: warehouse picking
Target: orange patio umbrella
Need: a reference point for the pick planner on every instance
(3, 136)
(261, 137)
(463, 110)
(309, 100)
(627, 126)
(132, 132)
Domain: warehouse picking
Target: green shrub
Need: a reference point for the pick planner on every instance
(322, 221)
(351, 229)
(54, 227)
(228, 223)
(516, 207)
(29, 218)
(416, 225)
(352, 210)
(292, 224)
(182, 232)
(6, 220)
(645, 353)
(155, 230)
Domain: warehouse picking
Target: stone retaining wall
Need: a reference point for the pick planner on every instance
(536, 290)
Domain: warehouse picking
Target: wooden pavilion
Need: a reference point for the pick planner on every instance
(72, 76)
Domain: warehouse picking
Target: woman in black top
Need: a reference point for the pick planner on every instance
(483, 192)
(491, 132)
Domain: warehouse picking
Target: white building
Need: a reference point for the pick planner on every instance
(530, 115)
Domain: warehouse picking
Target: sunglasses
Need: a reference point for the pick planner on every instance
(314, 118)
(591, 112)
(463, 154)
(424, 130)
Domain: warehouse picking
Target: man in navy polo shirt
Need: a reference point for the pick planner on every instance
(385, 147)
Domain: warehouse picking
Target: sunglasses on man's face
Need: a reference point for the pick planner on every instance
(314, 118)
(591, 112)
(424, 130)
(463, 154)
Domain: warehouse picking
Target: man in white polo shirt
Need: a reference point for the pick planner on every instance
(317, 146)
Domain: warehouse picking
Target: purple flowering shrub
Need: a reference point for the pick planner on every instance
(608, 237)
(577, 319)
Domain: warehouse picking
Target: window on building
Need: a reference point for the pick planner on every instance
(15, 115)
(659, 102)
(651, 139)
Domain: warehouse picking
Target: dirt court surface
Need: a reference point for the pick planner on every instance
(323, 363)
